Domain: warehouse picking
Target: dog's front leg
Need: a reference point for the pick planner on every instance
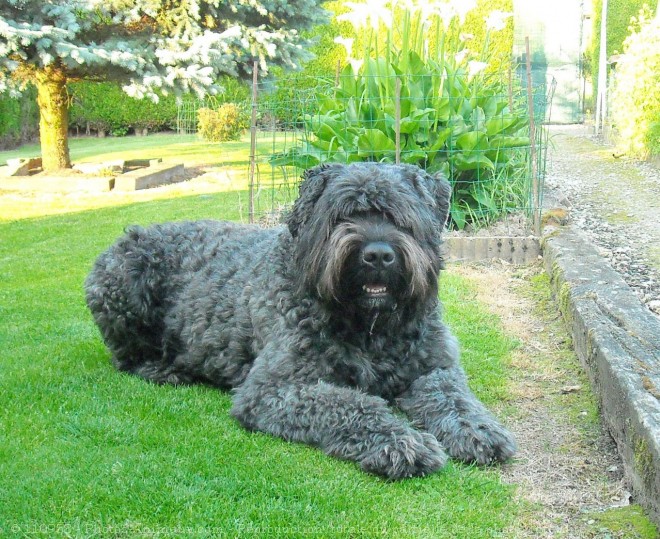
(343, 422)
(442, 404)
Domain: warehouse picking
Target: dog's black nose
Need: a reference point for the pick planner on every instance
(378, 254)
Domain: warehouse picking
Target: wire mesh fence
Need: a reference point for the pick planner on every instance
(486, 140)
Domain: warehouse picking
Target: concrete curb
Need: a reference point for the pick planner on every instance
(152, 176)
(514, 250)
(618, 343)
(151, 173)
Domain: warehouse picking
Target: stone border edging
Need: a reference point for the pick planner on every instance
(153, 173)
(618, 343)
(512, 249)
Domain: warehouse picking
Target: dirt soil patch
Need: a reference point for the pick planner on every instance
(567, 470)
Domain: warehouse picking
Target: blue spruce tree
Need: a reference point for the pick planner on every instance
(152, 47)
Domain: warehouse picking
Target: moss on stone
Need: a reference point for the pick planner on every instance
(644, 461)
(629, 521)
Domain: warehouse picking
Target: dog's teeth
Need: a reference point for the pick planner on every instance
(374, 290)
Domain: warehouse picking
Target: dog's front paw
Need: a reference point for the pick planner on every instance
(482, 441)
(412, 454)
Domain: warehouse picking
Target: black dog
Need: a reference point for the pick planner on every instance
(318, 327)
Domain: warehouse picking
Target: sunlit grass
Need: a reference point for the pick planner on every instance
(188, 149)
(227, 164)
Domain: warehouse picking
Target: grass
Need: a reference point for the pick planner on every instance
(88, 452)
(188, 149)
(228, 162)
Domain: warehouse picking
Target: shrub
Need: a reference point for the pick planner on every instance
(454, 117)
(619, 13)
(636, 94)
(225, 123)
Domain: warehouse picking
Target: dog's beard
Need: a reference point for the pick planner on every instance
(343, 280)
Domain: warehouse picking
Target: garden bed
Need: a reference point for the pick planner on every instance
(121, 175)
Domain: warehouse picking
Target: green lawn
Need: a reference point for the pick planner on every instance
(188, 149)
(228, 163)
(88, 452)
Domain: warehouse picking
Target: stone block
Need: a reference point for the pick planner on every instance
(618, 343)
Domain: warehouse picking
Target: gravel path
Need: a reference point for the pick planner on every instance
(614, 200)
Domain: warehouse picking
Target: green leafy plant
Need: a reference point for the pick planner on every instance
(636, 96)
(225, 123)
(619, 13)
(449, 114)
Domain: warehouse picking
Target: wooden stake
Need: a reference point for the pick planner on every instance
(397, 121)
(253, 141)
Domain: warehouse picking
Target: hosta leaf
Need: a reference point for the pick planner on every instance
(509, 142)
(472, 162)
(294, 159)
(439, 166)
(458, 215)
(498, 124)
(374, 142)
(490, 106)
(344, 157)
(440, 139)
(326, 146)
(478, 119)
(472, 140)
(413, 157)
(327, 104)
(408, 126)
(416, 65)
(442, 109)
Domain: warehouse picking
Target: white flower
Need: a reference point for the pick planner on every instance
(373, 12)
(497, 19)
(475, 67)
(446, 13)
(464, 36)
(460, 56)
(355, 65)
(347, 42)
(463, 7)
(426, 9)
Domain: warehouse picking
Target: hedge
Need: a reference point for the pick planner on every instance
(619, 13)
(636, 92)
(103, 107)
(19, 119)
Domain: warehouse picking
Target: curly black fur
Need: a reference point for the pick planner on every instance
(319, 328)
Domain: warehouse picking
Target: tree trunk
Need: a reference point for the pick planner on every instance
(53, 118)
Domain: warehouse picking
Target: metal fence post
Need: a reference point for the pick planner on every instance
(532, 139)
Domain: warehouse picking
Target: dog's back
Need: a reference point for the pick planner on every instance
(134, 284)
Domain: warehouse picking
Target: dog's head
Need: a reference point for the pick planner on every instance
(367, 235)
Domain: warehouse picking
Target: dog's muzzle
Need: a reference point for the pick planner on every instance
(379, 266)
(378, 255)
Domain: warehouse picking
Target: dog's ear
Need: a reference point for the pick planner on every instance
(433, 188)
(441, 190)
(312, 185)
